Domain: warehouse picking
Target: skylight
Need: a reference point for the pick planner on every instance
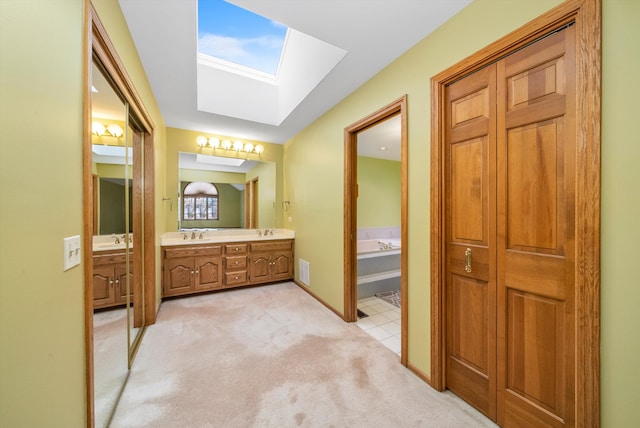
(233, 34)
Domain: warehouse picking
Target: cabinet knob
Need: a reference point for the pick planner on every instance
(236, 249)
(236, 262)
(236, 278)
(111, 282)
(191, 272)
(117, 281)
(197, 272)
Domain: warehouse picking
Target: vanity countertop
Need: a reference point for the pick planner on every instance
(109, 242)
(196, 237)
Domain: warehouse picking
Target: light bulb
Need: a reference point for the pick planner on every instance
(97, 128)
(226, 144)
(248, 147)
(259, 148)
(201, 141)
(214, 142)
(237, 145)
(115, 130)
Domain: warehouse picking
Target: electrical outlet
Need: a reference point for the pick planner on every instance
(71, 252)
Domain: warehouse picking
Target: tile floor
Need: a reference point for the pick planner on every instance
(383, 321)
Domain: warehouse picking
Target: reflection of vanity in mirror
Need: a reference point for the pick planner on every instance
(118, 312)
(246, 192)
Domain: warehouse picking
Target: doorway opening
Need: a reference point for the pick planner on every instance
(375, 233)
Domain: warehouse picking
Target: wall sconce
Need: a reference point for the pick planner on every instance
(111, 130)
(236, 146)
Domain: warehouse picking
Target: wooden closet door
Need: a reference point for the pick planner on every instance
(470, 284)
(536, 222)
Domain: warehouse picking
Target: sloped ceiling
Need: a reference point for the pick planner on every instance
(370, 33)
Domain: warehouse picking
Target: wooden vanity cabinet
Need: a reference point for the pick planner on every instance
(109, 279)
(271, 261)
(235, 264)
(191, 269)
(188, 269)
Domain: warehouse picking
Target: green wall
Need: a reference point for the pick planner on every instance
(620, 281)
(267, 194)
(41, 307)
(42, 357)
(378, 192)
(314, 180)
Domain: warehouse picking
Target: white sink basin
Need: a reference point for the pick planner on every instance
(108, 242)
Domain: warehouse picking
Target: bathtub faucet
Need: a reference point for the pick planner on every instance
(384, 246)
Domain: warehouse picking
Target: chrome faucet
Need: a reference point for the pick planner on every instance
(193, 234)
(184, 236)
(117, 241)
(259, 233)
(201, 235)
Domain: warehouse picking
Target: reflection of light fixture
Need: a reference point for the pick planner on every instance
(111, 130)
(237, 145)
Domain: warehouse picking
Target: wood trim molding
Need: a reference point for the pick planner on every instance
(150, 308)
(422, 375)
(586, 14)
(315, 296)
(88, 214)
(350, 212)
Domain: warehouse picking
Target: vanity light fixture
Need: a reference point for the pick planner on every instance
(237, 145)
(111, 130)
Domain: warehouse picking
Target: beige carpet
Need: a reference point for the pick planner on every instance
(273, 356)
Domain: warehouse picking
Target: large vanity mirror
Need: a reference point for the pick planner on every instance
(218, 192)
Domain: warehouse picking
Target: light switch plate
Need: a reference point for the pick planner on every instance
(71, 251)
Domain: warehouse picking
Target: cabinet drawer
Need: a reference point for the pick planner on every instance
(271, 246)
(231, 249)
(232, 278)
(196, 250)
(106, 258)
(236, 262)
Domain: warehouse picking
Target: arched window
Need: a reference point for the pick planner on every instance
(200, 201)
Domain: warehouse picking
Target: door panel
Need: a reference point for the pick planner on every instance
(103, 286)
(509, 172)
(470, 292)
(535, 191)
(178, 276)
(208, 272)
(536, 221)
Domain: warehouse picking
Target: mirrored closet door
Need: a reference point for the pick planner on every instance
(119, 216)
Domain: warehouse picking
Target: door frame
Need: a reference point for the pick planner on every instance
(586, 14)
(350, 213)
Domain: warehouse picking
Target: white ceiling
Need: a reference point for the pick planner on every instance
(373, 33)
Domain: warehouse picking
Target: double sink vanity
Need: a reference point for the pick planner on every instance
(198, 261)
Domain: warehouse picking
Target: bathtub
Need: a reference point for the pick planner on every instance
(368, 248)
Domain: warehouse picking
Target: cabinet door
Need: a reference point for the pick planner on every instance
(259, 267)
(178, 277)
(282, 265)
(208, 273)
(120, 284)
(103, 293)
